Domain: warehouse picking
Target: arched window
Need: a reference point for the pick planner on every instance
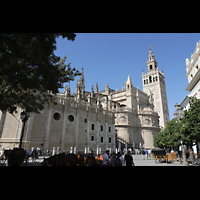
(156, 78)
(144, 82)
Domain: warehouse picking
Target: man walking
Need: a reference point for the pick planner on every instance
(129, 159)
(106, 158)
(147, 153)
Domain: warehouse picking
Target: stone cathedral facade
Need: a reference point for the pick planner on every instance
(97, 120)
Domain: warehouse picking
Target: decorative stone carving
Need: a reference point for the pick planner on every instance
(123, 119)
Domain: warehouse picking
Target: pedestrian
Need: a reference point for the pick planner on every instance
(112, 159)
(106, 158)
(176, 154)
(48, 153)
(122, 159)
(149, 155)
(117, 161)
(147, 152)
(129, 159)
(143, 154)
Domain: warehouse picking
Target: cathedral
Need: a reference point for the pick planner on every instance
(97, 120)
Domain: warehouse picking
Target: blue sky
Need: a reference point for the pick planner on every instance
(110, 57)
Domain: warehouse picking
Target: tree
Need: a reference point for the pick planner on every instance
(30, 72)
(169, 137)
(159, 140)
(190, 123)
(187, 129)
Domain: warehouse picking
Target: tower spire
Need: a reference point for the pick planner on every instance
(151, 57)
(151, 61)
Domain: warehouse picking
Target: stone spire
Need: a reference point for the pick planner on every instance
(151, 61)
(129, 83)
(82, 81)
(129, 79)
(67, 91)
(92, 91)
(107, 89)
(151, 57)
(97, 88)
(80, 86)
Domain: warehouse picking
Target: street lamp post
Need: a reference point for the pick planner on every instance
(24, 117)
(178, 117)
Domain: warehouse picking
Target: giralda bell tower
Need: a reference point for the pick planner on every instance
(154, 85)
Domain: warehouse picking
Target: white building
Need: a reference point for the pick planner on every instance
(193, 75)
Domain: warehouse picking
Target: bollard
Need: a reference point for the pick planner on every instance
(58, 150)
(54, 151)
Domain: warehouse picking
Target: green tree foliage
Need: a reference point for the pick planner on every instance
(30, 72)
(187, 129)
(190, 123)
(169, 137)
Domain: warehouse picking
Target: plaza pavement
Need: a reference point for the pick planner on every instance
(139, 161)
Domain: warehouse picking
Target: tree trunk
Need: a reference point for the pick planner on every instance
(192, 155)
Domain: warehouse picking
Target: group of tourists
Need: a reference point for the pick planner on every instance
(118, 159)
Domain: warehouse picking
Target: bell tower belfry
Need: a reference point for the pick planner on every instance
(151, 62)
(154, 85)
